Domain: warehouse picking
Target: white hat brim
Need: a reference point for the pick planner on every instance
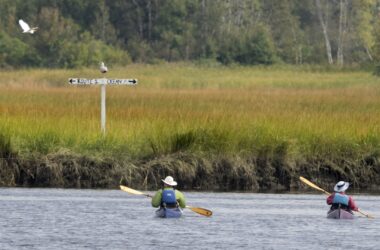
(173, 183)
(341, 189)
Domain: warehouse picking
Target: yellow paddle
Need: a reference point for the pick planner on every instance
(306, 181)
(199, 210)
(313, 185)
(132, 191)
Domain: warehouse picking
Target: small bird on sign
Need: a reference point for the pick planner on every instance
(26, 28)
(103, 68)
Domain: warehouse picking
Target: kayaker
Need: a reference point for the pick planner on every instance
(169, 199)
(339, 199)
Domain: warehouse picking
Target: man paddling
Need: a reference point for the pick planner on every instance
(339, 199)
(169, 199)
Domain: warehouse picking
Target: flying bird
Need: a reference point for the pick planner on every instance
(103, 68)
(26, 28)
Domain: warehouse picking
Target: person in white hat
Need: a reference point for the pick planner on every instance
(339, 199)
(169, 199)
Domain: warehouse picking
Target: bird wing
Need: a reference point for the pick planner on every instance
(24, 25)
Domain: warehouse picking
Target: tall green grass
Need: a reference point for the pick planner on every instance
(184, 107)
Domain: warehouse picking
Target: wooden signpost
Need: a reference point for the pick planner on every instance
(102, 82)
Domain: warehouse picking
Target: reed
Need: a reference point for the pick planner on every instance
(202, 110)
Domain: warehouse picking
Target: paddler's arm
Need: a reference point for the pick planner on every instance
(329, 199)
(156, 199)
(180, 198)
(352, 204)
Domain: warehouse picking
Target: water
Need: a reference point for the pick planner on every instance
(112, 219)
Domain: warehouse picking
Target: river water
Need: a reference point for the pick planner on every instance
(112, 219)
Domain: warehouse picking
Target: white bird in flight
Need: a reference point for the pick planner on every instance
(26, 28)
(103, 68)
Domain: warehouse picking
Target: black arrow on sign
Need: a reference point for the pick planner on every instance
(132, 81)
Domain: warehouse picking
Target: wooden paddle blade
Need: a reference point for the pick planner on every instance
(366, 215)
(132, 191)
(307, 182)
(201, 211)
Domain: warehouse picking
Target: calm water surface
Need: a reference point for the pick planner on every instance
(112, 219)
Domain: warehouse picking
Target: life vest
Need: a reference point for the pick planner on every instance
(168, 198)
(341, 199)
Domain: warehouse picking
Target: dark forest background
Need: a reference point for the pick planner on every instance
(76, 33)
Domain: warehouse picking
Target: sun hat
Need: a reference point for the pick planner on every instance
(341, 186)
(170, 181)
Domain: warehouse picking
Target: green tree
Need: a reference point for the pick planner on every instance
(250, 48)
(89, 51)
(364, 16)
(285, 29)
(16, 53)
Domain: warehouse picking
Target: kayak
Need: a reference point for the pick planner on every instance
(169, 212)
(339, 214)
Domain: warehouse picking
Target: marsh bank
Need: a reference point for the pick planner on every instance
(268, 171)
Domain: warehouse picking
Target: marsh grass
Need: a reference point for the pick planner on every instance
(6, 150)
(204, 110)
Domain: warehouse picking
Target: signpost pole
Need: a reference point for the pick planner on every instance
(103, 109)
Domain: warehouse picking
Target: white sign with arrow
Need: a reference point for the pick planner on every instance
(85, 81)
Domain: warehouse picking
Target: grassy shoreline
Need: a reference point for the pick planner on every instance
(303, 114)
(266, 172)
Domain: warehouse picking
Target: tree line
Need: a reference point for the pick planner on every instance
(75, 33)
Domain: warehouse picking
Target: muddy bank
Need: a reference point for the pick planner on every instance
(262, 173)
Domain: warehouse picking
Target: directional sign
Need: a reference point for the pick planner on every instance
(103, 82)
(84, 81)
